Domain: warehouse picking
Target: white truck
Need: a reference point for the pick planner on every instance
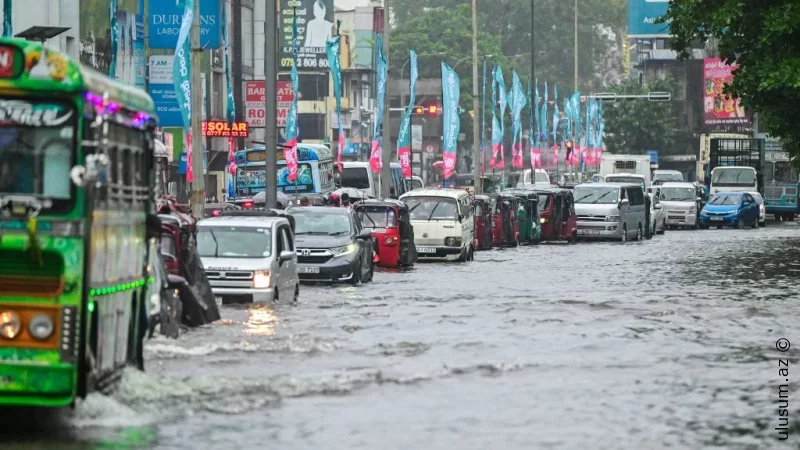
(625, 164)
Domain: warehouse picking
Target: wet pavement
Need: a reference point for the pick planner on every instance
(654, 344)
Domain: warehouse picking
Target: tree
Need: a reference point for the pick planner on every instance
(510, 22)
(631, 127)
(763, 38)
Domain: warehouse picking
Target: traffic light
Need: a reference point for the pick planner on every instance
(433, 109)
(418, 110)
(570, 147)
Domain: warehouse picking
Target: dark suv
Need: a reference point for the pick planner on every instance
(331, 245)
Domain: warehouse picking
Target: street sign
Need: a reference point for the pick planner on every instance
(162, 90)
(659, 96)
(606, 96)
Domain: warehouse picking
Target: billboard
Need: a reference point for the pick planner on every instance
(162, 91)
(720, 109)
(314, 28)
(255, 104)
(164, 23)
(129, 59)
(642, 15)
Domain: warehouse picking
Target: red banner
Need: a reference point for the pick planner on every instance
(220, 128)
(255, 102)
(404, 156)
(375, 162)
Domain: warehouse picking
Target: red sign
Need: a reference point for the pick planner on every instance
(7, 62)
(720, 108)
(255, 103)
(220, 128)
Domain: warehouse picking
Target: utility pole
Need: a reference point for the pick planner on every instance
(533, 48)
(270, 104)
(386, 154)
(476, 113)
(199, 182)
(575, 87)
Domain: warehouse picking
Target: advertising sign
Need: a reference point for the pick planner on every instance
(314, 28)
(642, 15)
(255, 104)
(719, 108)
(129, 59)
(164, 23)
(221, 128)
(162, 90)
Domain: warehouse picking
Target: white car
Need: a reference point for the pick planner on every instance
(762, 210)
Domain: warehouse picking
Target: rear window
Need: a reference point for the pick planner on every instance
(355, 177)
(377, 217)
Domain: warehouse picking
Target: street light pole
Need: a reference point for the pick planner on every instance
(533, 49)
(476, 135)
(386, 154)
(575, 87)
(199, 182)
(270, 104)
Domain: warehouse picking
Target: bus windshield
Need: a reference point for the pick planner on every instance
(733, 177)
(355, 177)
(37, 148)
(784, 173)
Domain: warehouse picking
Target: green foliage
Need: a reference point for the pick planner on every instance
(763, 37)
(631, 127)
(509, 22)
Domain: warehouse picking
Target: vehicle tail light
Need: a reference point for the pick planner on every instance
(247, 205)
(391, 240)
(171, 263)
(215, 213)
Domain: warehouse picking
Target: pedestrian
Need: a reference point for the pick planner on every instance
(392, 193)
(223, 194)
(304, 201)
(345, 200)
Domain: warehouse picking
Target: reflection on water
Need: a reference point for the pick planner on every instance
(261, 320)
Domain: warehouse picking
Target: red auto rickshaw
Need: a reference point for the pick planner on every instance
(557, 211)
(482, 206)
(505, 226)
(392, 233)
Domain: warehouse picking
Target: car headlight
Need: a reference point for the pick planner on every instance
(10, 324)
(41, 327)
(612, 218)
(693, 209)
(346, 250)
(261, 279)
(453, 242)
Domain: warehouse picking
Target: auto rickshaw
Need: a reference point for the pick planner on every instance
(530, 228)
(482, 206)
(505, 225)
(392, 234)
(557, 215)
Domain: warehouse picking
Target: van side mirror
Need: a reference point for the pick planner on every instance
(176, 282)
(623, 202)
(286, 255)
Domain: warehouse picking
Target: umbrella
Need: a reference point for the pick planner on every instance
(352, 193)
(261, 197)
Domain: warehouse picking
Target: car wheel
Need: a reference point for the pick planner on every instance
(703, 227)
(296, 292)
(356, 278)
(740, 223)
(755, 223)
(275, 297)
(762, 224)
(573, 238)
(639, 233)
(371, 272)
(624, 234)
(463, 256)
(471, 254)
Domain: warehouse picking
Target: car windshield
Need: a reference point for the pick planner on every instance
(415, 184)
(310, 222)
(733, 177)
(544, 202)
(634, 180)
(432, 208)
(234, 242)
(596, 195)
(355, 177)
(667, 177)
(676, 194)
(377, 217)
(733, 200)
(37, 149)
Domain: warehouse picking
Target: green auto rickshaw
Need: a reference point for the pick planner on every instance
(530, 227)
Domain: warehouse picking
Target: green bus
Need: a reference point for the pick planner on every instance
(76, 192)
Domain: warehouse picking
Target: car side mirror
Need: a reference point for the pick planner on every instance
(364, 235)
(657, 206)
(286, 255)
(176, 282)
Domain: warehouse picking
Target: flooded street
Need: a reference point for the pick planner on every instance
(662, 343)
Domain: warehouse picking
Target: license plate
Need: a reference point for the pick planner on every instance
(308, 270)
(377, 230)
(426, 249)
(218, 300)
(588, 231)
(717, 219)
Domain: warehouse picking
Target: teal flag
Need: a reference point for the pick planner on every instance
(181, 76)
(375, 158)
(332, 49)
(404, 135)
(451, 121)
(112, 7)
(519, 102)
(292, 127)
(7, 29)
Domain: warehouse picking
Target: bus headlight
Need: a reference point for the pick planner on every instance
(41, 327)
(261, 279)
(10, 324)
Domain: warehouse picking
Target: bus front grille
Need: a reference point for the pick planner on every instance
(11, 286)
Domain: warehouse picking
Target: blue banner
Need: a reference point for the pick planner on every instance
(642, 15)
(451, 121)
(164, 29)
(556, 116)
(501, 93)
(519, 102)
(404, 135)
(483, 118)
(543, 118)
(181, 74)
(226, 42)
(375, 157)
(7, 28)
(332, 49)
(112, 66)
(536, 114)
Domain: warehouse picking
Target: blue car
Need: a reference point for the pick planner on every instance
(733, 209)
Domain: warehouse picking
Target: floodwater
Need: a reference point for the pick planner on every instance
(655, 344)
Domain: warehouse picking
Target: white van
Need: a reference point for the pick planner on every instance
(733, 179)
(444, 226)
(358, 175)
(249, 257)
(540, 177)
